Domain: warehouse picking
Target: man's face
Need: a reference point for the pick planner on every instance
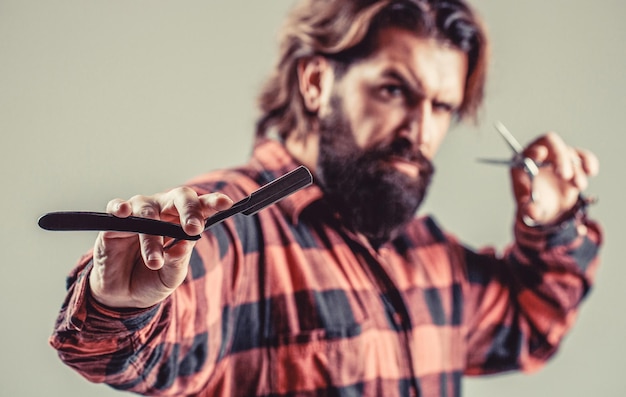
(382, 123)
(410, 88)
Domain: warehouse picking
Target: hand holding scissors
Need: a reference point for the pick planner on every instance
(548, 175)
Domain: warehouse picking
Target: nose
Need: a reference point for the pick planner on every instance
(418, 126)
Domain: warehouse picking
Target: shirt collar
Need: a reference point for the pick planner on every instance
(272, 160)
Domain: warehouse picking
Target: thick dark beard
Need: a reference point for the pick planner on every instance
(373, 197)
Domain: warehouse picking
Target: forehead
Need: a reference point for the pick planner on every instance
(434, 66)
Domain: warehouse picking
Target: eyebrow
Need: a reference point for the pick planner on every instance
(417, 89)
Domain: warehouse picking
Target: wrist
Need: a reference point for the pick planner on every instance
(577, 211)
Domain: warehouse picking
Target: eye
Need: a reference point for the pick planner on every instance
(393, 89)
(393, 92)
(443, 107)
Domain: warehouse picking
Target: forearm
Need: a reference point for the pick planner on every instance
(101, 343)
(163, 350)
(555, 268)
(521, 306)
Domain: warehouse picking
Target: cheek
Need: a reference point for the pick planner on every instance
(373, 123)
(439, 135)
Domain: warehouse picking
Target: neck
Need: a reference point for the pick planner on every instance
(305, 149)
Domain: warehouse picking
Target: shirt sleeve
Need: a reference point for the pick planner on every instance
(170, 349)
(519, 306)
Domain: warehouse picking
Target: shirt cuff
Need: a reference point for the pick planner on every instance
(562, 232)
(85, 314)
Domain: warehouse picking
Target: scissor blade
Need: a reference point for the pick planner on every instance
(509, 138)
(508, 163)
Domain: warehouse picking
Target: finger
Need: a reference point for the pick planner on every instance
(120, 208)
(214, 202)
(191, 210)
(531, 213)
(537, 152)
(521, 185)
(589, 162)
(151, 246)
(579, 178)
(553, 197)
(211, 203)
(152, 251)
(176, 249)
(556, 152)
(183, 202)
(176, 264)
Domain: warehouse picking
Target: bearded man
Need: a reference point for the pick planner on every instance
(339, 289)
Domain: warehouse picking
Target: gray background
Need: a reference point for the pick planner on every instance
(104, 99)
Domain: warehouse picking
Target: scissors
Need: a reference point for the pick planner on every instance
(519, 160)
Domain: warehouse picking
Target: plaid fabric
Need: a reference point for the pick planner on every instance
(290, 303)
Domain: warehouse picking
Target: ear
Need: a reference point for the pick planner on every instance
(313, 81)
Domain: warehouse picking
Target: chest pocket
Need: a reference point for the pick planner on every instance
(310, 287)
(306, 316)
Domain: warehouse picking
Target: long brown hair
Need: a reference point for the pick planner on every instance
(344, 31)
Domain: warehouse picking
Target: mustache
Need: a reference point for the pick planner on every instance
(404, 149)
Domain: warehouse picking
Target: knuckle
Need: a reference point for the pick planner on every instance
(190, 206)
(138, 198)
(144, 206)
(187, 200)
(147, 211)
(182, 192)
(187, 191)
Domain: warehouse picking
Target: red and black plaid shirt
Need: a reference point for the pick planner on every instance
(291, 303)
